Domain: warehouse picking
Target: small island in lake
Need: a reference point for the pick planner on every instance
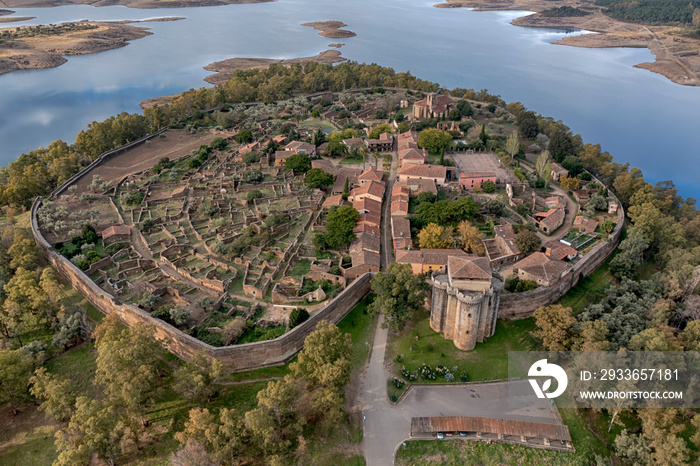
(331, 29)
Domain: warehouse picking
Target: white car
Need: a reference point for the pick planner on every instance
(441, 435)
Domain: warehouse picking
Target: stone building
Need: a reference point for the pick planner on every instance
(433, 106)
(465, 297)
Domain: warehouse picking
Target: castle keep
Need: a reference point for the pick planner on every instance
(465, 299)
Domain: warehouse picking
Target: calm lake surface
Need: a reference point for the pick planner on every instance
(638, 116)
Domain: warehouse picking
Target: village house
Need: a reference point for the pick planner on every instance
(401, 233)
(334, 201)
(558, 171)
(370, 218)
(411, 156)
(582, 196)
(427, 260)
(281, 157)
(373, 190)
(550, 220)
(613, 205)
(367, 242)
(362, 262)
(436, 173)
(399, 205)
(502, 249)
(560, 251)
(369, 175)
(298, 147)
(540, 269)
(385, 143)
(367, 205)
(555, 202)
(280, 139)
(366, 228)
(350, 174)
(116, 233)
(418, 186)
(433, 106)
(325, 165)
(585, 224)
(474, 180)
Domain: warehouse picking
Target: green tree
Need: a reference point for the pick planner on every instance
(317, 178)
(399, 293)
(341, 221)
(553, 327)
(196, 379)
(593, 336)
(464, 108)
(298, 163)
(253, 194)
(513, 145)
(297, 316)
(251, 157)
(379, 130)
(434, 140)
(244, 136)
(527, 241)
(569, 183)
(346, 190)
(630, 257)
(55, 393)
(527, 124)
(488, 186)
(15, 370)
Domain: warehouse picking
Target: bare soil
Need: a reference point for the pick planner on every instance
(225, 68)
(677, 57)
(176, 144)
(42, 52)
(331, 29)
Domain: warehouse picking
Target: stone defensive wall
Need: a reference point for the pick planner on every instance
(514, 306)
(235, 357)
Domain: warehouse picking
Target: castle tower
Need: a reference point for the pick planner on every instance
(464, 304)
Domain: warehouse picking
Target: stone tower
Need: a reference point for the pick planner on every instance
(464, 305)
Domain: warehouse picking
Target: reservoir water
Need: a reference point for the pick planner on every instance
(638, 116)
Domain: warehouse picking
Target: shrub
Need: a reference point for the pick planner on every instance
(297, 316)
(426, 372)
(179, 315)
(253, 194)
(463, 377)
(398, 383)
(488, 186)
(233, 330)
(254, 176)
(251, 157)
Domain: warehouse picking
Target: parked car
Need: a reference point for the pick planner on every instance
(449, 434)
(462, 433)
(440, 435)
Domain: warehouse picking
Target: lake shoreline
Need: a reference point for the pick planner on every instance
(43, 52)
(676, 57)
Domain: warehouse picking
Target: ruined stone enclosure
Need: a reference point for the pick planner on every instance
(205, 246)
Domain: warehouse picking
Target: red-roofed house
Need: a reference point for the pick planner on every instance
(371, 174)
(540, 269)
(298, 147)
(560, 251)
(401, 233)
(585, 224)
(373, 190)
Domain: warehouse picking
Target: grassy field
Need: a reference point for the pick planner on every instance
(488, 361)
(590, 289)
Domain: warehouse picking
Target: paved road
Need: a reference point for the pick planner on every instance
(387, 248)
(386, 425)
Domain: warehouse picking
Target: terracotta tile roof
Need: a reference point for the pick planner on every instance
(469, 268)
(283, 154)
(366, 228)
(373, 188)
(428, 256)
(368, 204)
(410, 134)
(351, 174)
(365, 241)
(400, 227)
(364, 257)
(425, 171)
(116, 230)
(370, 174)
(422, 185)
(280, 139)
(334, 201)
(554, 219)
(373, 218)
(298, 146)
(386, 137)
(399, 206)
(560, 251)
(325, 165)
(322, 148)
(400, 188)
(556, 168)
(407, 144)
(508, 235)
(410, 154)
(585, 223)
(354, 142)
(542, 267)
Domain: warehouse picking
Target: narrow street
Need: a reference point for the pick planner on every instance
(387, 256)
